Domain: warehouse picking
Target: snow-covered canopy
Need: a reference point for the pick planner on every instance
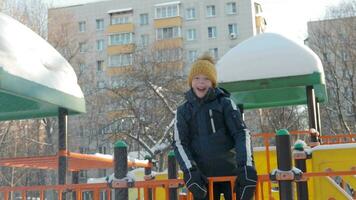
(268, 55)
(270, 70)
(25, 54)
(31, 69)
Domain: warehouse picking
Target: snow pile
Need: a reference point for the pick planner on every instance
(267, 55)
(25, 54)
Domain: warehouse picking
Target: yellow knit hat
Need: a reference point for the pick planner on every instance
(203, 65)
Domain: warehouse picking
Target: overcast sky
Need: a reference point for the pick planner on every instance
(286, 17)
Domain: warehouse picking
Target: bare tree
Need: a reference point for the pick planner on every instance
(334, 40)
(149, 96)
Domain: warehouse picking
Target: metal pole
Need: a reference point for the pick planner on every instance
(300, 163)
(62, 146)
(284, 162)
(312, 113)
(75, 180)
(318, 121)
(172, 174)
(148, 172)
(120, 168)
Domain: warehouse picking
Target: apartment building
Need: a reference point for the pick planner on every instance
(108, 34)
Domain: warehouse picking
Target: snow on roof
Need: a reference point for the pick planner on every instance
(167, 3)
(268, 55)
(25, 54)
(120, 10)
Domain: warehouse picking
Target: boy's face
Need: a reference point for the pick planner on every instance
(201, 85)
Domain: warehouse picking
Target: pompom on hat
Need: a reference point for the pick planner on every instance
(203, 65)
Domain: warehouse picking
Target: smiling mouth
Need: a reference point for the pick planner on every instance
(201, 89)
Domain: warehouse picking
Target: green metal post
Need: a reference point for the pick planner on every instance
(172, 174)
(284, 162)
(120, 168)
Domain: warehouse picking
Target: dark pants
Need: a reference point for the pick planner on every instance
(221, 187)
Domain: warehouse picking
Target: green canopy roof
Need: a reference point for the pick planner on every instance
(35, 80)
(269, 70)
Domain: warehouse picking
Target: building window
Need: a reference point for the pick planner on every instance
(83, 173)
(168, 33)
(231, 8)
(190, 14)
(99, 65)
(120, 60)
(258, 8)
(167, 11)
(145, 40)
(344, 56)
(102, 149)
(233, 31)
(144, 19)
(121, 38)
(82, 26)
(82, 47)
(212, 32)
(120, 20)
(214, 52)
(99, 24)
(191, 34)
(100, 84)
(192, 55)
(210, 11)
(83, 149)
(82, 67)
(168, 55)
(100, 45)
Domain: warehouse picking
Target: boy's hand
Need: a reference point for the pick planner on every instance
(245, 184)
(196, 183)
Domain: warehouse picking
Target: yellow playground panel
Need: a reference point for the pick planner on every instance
(336, 157)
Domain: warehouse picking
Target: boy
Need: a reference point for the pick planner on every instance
(210, 138)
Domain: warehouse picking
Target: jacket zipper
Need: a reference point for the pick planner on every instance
(212, 120)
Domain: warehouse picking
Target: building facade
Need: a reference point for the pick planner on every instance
(107, 35)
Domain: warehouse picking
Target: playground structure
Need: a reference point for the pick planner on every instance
(295, 81)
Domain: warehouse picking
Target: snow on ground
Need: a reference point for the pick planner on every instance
(25, 54)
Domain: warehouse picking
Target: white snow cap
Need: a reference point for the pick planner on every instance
(25, 54)
(268, 55)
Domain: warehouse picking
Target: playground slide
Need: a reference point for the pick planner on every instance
(331, 190)
(337, 157)
(351, 180)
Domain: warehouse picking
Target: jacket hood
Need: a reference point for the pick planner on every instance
(213, 93)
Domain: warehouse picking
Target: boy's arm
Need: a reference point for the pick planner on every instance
(245, 184)
(181, 142)
(238, 130)
(195, 181)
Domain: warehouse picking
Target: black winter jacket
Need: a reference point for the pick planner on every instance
(210, 135)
